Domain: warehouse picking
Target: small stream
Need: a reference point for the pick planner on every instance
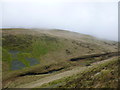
(47, 72)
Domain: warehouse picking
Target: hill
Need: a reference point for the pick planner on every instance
(37, 51)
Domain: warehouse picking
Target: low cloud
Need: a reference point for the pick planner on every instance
(99, 19)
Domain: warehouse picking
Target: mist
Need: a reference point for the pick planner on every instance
(99, 19)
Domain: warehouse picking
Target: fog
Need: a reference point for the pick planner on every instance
(99, 19)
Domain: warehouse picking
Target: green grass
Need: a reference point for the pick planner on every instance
(44, 46)
(22, 57)
(28, 46)
(100, 76)
(6, 56)
(17, 42)
(48, 48)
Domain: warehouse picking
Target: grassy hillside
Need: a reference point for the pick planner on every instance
(104, 75)
(39, 51)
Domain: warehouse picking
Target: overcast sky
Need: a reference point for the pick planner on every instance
(95, 18)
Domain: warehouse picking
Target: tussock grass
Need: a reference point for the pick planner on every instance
(53, 49)
(104, 75)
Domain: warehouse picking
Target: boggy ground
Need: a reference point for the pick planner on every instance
(103, 74)
(52, 50)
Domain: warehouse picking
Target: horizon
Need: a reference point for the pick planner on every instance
(99, 19)
(62, 30)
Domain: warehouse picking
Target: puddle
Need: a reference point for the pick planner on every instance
(32, 61)
(16, 65)
(14, 53)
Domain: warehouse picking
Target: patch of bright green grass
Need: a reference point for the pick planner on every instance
(28, 46)
(40, 48)
(6, 56)
(22, 57)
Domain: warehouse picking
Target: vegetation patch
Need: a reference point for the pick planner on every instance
(25, 48)
(40, 51)
(104, 75)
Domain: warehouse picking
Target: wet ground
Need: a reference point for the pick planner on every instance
(17, 64)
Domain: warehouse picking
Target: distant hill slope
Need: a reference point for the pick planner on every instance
(40, 49)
